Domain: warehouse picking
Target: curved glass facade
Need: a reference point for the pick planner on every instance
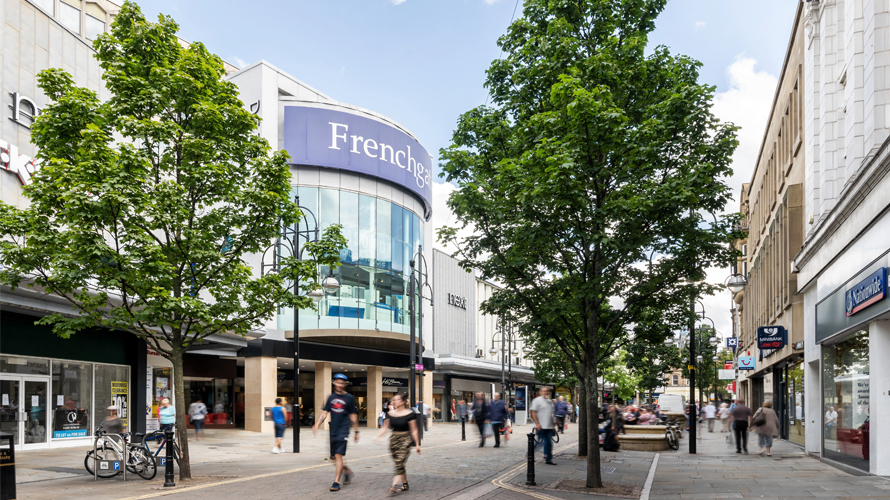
(381, 239)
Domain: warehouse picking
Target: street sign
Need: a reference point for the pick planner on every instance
(732, 342)
(772, 337)
(728, 365)
(109, 465)
(746, 362)
(726, 374)
(418, 367)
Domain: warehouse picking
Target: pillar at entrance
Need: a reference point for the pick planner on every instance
(323, 388)
(260, 390)
(375, 394)
(428, 398)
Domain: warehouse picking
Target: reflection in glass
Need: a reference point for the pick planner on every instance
(72, 386)
(845, 398)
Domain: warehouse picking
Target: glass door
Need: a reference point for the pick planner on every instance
(10, 407)
(35, 404)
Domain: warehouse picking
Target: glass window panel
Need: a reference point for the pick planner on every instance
(416, 234)
(113, 389)
(350, 253)
(328, 208)
(384, 217)
(69, 17)
(397, 228)
(384, 252)
(383, 296)
(46, 5)
(93, 27)
(406, 226)
(367, 246)
(398, 256)
(845, 398)
(349, 209)
(23, 365)
(72, 386)
(308, 198)
(367, 213)
(407, 255)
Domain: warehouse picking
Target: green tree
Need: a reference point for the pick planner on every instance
(147, 207)
(586, 179)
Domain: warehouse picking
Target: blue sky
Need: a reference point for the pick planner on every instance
(423, 62)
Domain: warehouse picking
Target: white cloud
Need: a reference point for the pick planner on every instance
(700, 24)
(342, 69)
(397, 2)
(239, 62)
(489, 2)
(443, 216)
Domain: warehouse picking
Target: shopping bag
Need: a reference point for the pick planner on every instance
(729, 440)
(487, 432)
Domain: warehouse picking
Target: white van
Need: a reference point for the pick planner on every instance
(672, 403)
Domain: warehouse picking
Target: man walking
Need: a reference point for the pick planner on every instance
(479, 414)
(710, 415)
(542, 414)
(741, 420)
(560, 409)
(424, 410)
(462, 409)
(341, 406)
(498, 415)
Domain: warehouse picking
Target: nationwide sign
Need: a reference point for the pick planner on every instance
(772, 337)
(746, 362)
(867, 292)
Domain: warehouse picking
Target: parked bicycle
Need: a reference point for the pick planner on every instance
(161, 438)
(107, 448)
(672, 434)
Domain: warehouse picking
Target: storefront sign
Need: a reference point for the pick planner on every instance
(457, 301)
(119, 397)
(746, 362)
(732, 342)
(69, 423)
(728, 365)
(726, 374)
(772, 337)
(22, 166)
(347, 141)
(867, 292)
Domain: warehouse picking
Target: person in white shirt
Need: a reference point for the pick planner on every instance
(424, 410)
(723, 413)
(830, 420)
(542, 413)
(710, 413)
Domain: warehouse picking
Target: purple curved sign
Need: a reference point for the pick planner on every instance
(336, 139)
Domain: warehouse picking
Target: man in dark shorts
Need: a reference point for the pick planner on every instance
(341, 406)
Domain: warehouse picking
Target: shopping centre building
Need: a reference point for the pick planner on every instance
(350, 166)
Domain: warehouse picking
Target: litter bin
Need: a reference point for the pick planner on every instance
(7, 466)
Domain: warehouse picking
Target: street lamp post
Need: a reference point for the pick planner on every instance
(508, 349)
(292, 240)
(418, 280)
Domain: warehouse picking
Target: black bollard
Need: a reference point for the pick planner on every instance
(168, 471)
(530, 473)
(463, 428)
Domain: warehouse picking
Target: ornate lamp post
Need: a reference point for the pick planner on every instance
(418, 281)
(290, 242)
(509, 349)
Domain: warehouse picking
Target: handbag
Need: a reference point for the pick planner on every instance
(487, 431)
(759, 419)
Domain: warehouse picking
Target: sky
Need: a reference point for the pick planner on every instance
(422, 62)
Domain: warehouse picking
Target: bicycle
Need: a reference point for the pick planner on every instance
(138, 462)
(671, 435)
(162, 438)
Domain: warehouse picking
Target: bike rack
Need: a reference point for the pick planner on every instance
(96, 460)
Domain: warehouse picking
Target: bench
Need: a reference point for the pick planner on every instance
(643, 442)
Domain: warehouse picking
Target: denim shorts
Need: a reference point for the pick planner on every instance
(279, 430)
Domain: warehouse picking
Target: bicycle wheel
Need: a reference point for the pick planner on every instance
(672, 441)
(102, 454)
(141, 463)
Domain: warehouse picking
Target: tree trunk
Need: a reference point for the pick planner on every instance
(594, 474)
(582, 421)
(185, 469)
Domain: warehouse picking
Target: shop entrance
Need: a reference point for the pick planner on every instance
(24, 410)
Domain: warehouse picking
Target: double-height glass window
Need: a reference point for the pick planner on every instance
(845, 400)
(381, 239)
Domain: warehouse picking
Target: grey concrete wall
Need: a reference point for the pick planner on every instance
(454, 327)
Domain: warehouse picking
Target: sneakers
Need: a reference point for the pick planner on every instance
(335, 486)
(276, 450)
(550, 462)
(347, 476)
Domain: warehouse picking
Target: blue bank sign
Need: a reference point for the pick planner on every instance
(772, 337)
(867, 292)
(336, 139)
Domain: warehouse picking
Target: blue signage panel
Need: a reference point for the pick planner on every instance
(772, 337)
(867, 292)
(337, 139)
(746, 362)
(732, 342)
(70, 434)
(521, 398)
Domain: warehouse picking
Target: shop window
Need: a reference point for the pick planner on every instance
(72, 387)
(24, 366)
(676, 380)
(69, 16)
(113, 389)
(845, 400)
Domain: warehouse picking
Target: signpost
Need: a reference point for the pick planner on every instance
(772, 337)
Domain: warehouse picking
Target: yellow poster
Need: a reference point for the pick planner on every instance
(120, 398)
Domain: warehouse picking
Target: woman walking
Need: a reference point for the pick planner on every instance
(167, 415)
(766, 425)
(403, 422)
(197, 412)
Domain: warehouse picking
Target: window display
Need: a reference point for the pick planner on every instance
(845, 398)
(113, 389)
(72, 386)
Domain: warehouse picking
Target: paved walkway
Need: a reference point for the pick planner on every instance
(238, 464)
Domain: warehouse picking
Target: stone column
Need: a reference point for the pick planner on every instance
(879, 397)
(323, 388)
(375, 394)
(428, 395)
(260, 391)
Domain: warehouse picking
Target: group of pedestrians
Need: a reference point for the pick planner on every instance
(764, 422)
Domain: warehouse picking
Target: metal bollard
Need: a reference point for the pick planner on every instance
(168, 471)
(530, 473)
(463, 428)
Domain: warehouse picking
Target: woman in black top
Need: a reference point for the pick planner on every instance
(403, 422)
